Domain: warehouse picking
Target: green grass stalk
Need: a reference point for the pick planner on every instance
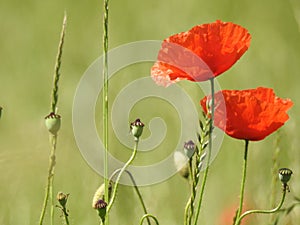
(210, 145)
(105, 100)
(53, 138)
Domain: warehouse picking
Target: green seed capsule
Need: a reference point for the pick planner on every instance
(189, 148)
(136, 128)
(53, 122)
(285, 175)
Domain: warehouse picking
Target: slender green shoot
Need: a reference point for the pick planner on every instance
(114, 193)
(53, 137)
(149, 216)
(105, 98)
(242, 191)
(210, 145)
(136, 190)
(276, 209)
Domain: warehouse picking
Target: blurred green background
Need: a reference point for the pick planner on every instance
(28, 45)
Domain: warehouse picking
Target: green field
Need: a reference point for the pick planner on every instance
(28, 45)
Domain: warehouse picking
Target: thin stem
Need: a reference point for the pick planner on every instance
(210, 145)
(54, 95)
(149, 216)
(274, 175)
(242, 183)
(105, 99)
(263, 211)
(49, 187)
(135, 187)
(120, 174)
(193, 186)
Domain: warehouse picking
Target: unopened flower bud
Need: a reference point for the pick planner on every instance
(101, 207)
(285, 175)
(181, 164)
(100, 194)
(136, 128)
(53, 122)
(189, 148)
(62, 199)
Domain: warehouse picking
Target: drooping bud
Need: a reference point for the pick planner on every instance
(53, 122)
(181, 164)
(136, 128)
(189, 148)
(62, 199)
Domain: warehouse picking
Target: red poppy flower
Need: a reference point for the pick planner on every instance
(201, 53)
(249, 114)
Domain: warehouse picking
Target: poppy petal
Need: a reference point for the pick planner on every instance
(201, 53)
(249, 114)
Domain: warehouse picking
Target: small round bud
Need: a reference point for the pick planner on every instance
(101, 207)
(189, 148)
(181, 164)
(62, 199)
(136, 128)
(53, 122)
(285, 175)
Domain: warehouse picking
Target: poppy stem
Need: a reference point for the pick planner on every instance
(114, 193)
(266, 211)
(147, 216)
(239, 212)
(105, 99)
(136, 190)
(210, 145)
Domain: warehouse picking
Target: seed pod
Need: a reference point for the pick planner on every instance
(189, 148)
(136, 128)
(53, 122)
(285, 175)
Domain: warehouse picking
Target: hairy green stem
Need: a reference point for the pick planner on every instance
(120, 174)
(239, 219)
(49, 187)
(210, 145)
(136, 190)
(149, 216)
(242, 191)
(105, 99)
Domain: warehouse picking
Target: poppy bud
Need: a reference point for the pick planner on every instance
(136, 128)
(101, 207)
(62, 199)
(180, 161)
(285, 175)
(189, 148)
(53, 122)
(100, 193)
